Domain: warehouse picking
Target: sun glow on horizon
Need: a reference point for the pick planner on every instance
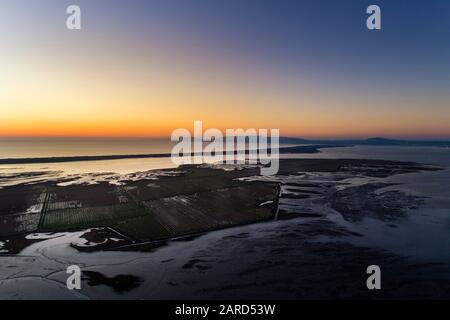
(146, 79)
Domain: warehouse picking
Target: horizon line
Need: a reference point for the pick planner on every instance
(305, 137)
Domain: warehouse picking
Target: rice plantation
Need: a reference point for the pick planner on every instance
(197, 200)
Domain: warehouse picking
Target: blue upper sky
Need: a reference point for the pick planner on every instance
(320, 35)
(314, 58)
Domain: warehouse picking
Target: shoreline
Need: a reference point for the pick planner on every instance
(40, 160)
(212, 214)
(188, 200)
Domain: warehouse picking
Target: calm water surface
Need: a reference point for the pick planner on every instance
(423, 235)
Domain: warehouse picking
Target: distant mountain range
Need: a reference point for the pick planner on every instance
(369, 142)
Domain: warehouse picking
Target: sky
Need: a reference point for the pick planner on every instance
(145, 68)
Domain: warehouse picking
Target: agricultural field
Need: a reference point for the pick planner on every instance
(103, 205)
(214, 209)
(197, 199)
(142, 228)
(88, 217)
(20, 209)
(20, 199)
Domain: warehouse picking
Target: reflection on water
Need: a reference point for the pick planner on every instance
(425, 155)
(269, 254)
(66, 147)
(423, 235)
(425, 232)
(81, 167)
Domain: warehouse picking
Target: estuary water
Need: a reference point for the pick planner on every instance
(264, 260)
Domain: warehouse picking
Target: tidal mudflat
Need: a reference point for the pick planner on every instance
(190, 232)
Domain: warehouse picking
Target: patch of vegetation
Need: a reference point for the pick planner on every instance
(89, 217)
(144, 228)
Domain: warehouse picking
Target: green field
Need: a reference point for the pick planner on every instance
(85, 217)
(129, 219)
(144, 228)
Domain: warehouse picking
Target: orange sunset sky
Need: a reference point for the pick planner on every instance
(131, 74)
